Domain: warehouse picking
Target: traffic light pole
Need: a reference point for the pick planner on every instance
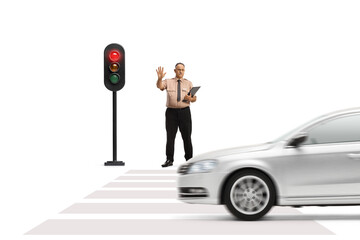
(114, 162)
(114, 127)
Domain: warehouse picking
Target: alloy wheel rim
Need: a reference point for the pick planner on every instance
(249, 195)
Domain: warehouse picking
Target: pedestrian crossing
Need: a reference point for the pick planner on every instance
(144, 202)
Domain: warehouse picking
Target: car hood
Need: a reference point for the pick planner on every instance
(231, 151)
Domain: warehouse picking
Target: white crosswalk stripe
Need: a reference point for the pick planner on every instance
(144, 202)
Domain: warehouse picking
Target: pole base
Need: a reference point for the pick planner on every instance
(114, 163)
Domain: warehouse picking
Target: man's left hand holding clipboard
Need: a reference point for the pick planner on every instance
(190, 97)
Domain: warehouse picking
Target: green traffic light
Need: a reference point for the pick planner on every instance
(114, 78)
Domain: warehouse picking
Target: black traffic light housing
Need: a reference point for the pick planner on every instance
(114, 80)
(114, 67)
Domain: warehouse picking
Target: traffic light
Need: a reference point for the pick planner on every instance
(114, 80)
(114, 67)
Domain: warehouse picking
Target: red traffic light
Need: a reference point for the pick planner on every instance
(114, 55)
(114, 67)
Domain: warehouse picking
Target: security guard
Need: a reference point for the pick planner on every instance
(178, 113)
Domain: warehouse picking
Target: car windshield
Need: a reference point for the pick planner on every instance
(292, 132)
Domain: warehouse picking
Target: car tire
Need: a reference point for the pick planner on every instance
(249, 195)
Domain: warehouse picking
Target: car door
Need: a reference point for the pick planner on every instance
(327, 165)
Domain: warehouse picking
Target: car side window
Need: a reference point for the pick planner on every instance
(339, 130)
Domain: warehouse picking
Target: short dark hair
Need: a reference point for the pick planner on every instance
(179, 63)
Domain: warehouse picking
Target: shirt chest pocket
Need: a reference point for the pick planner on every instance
(171, 92)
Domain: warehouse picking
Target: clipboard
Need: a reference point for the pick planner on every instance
(192, 92)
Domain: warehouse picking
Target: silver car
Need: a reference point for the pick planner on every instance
(317, 164)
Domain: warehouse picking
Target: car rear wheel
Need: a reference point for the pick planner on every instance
(249, 195)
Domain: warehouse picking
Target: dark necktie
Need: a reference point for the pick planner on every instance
(178, 91)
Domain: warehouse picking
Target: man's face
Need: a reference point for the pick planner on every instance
(179, 71)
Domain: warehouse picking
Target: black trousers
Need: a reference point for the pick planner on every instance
(178, 118)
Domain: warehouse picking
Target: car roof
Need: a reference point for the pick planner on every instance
(343, 111)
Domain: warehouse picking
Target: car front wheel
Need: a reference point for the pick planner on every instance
(249, 195)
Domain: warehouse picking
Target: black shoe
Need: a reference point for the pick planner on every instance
(167, 163)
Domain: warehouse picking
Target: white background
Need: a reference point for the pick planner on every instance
(264, 67)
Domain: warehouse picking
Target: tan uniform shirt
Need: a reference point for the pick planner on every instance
(171, 86)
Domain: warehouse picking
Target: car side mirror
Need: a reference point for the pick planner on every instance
(298, 139)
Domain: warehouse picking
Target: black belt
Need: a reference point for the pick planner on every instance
(178, 109)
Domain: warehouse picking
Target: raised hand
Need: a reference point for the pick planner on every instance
(160, 73)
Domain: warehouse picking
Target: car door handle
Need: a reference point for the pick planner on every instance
(355, 156)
